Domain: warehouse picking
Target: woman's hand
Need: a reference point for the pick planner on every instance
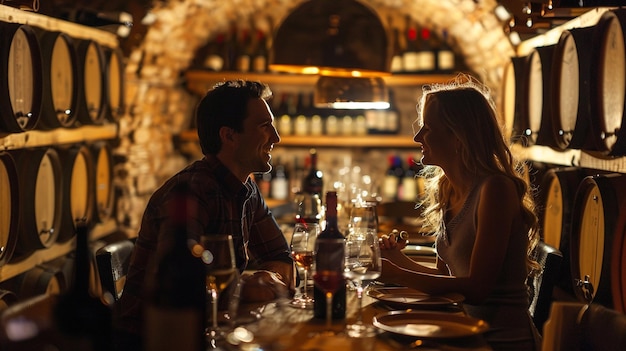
(394, 241)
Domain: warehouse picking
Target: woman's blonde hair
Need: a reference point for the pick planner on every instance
(466, 108)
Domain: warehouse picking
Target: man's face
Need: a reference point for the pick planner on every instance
(255, 143)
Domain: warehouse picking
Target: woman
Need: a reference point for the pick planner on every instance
(481, 211)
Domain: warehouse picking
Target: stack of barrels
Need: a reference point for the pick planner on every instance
(49, 81)
(572, 95)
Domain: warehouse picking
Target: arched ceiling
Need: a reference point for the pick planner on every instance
(181, 27)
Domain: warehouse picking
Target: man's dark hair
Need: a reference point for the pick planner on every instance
(225, 105)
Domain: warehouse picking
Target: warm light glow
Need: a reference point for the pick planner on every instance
(359, 105)
(529, 22)
(310, 70)
(514, 38)
(502, 13)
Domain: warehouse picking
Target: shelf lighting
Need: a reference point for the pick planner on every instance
(351, 93)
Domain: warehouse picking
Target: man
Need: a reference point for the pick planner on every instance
(236, 133)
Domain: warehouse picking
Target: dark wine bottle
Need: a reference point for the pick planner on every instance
(331, 231)
(175, 310)
(313, 182)
(118, 22)
(78, 313)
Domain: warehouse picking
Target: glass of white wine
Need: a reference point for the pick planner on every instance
(219, 259)
(363, 264)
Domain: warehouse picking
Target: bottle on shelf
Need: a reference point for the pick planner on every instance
(331, 231)
(426, 52)
(279, 186)
(77, 312)
(283, 115)
(391, 180)
(410, 55)
(264, 182)
(244, 51)
(117, 22)
(301, 122)
(412, 184)
(396, 58)
(392, 116)
(175, 311)
(313, 182)
(445, 55)
(213, 54)
(232, 47)
(260, 57)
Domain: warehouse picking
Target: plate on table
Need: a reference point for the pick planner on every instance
(403, 298)
(423, 324)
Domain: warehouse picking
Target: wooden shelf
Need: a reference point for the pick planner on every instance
(13, 15)
(35, 138)
(342, 141)
(200, 81)
(576, 158)
(57, 250)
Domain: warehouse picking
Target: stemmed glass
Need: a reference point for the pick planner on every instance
(303, 252)
(363, 263)
(219, 259)
(328, 271)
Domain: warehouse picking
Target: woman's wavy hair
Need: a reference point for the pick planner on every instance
(468, 110)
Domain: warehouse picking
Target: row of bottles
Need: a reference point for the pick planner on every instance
(416, 50)
(295, 115)
(420, 50)
(240, 50)
(402, 182)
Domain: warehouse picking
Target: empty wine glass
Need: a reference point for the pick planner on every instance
(219, 259)
(363, 264)
(303, 252)
(328, 271)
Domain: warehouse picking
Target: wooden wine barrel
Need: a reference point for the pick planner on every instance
(20, 78)
(7, 298)
(41, 198)
(598, 205)
(571, 111)
(608, 83)
(77, 163)
(618, 265)
(40, 280)
(9, 211)
(556, 202)
(537, 110)
(114, 82)
(512, 101)
(92, 97)
(104, 191)
(60, 80)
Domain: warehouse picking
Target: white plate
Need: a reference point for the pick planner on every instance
(423, 324)
(410, 298)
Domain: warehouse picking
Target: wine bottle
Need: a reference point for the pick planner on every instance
(313, 182)
(279, 187)
(391, 124)
(175, 310)
(391, 181)
(396, 58)
(331, 231)
(244, 51)
(410, 56)
(214, 57)
(78, 313)
(118, 22)
(425, 52)
(259, 61)
(445, 55)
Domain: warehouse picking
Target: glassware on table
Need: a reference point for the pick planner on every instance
(219, 259)
(363, 264)
(328, 271)
(303, 252)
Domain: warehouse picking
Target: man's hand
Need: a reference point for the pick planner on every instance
(262, 286)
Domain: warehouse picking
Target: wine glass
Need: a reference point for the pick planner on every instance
(328, 271)
(303, 252)
(219, 259)
(363, 263)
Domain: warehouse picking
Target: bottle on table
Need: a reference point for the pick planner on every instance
(79, 314)
(175, 311)
(331, 231)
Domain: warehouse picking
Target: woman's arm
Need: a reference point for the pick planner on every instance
(498, 206)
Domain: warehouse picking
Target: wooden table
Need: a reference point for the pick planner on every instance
(283, 327)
